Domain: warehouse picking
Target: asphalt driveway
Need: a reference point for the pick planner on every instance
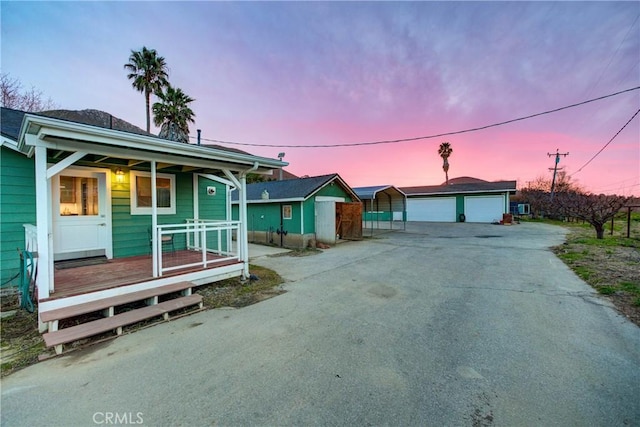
(441, 324)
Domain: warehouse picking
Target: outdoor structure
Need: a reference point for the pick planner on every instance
(297, 213)
(464, 199)
(383, 206)
(153, 216)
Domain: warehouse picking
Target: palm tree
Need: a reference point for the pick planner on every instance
(148, 73)
(173, 114)
(445, 151)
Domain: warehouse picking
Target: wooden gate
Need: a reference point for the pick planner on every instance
(349, 220)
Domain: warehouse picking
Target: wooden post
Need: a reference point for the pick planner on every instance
(611, 232)
(628, 221)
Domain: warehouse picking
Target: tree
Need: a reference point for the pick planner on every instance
(563, 183)
(148, 73)
(445, 151)
(537, 194)
(14, 96)
(173, 114)
(597, 210)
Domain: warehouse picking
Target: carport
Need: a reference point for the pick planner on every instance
(383, 207)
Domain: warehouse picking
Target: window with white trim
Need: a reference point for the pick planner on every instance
(286, 212)
(141, 193)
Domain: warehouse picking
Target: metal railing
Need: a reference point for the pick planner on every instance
(206, 237)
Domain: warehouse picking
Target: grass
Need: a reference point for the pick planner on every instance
(22, 344)
(609, 265)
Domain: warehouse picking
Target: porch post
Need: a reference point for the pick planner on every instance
(154, 220)
(43, 224)
(243, 230)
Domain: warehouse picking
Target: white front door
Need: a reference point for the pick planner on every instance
(81, 214)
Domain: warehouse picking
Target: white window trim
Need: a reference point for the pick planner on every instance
(290, 212)
(147, 211)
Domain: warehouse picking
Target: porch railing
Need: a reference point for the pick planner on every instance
(30, 238)
(210, 239)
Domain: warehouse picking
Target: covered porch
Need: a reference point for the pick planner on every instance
(156, 212)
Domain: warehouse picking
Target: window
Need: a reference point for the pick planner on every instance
(286, 212)
(141, 193)
(78, 196)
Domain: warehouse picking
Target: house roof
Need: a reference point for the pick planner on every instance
(298, 189)
(471, 187)
(370, 192)
(99, 133)
(10, 122)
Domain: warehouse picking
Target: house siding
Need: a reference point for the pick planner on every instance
(309, 219)
(130, 232)
(212, 207)
(17, 207)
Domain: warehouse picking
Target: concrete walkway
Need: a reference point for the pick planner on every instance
(258, 251)
(456, 324)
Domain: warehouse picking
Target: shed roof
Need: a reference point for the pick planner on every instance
(471, 187)
(291, 189)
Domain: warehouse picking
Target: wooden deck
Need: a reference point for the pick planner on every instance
(123, 271)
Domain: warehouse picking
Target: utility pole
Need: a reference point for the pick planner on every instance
(555, 168)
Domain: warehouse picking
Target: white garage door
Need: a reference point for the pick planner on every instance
(483, 208)
(437, 209)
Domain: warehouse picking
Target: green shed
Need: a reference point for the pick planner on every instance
(299, 212)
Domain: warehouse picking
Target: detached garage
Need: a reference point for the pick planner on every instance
(464, 199)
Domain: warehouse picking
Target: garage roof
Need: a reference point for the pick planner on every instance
(473, 187)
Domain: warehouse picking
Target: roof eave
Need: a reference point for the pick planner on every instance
(46, 126)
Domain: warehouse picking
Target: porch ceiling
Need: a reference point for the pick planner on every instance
(112, 147)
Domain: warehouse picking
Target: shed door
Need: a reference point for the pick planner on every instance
(436, 209)
(483, 208)
(326, 222)
(349, 220)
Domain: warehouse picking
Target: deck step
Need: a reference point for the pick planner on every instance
(84, 330)
(89, 307)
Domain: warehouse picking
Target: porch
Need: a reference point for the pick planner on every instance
(122, 272)
(200, 251)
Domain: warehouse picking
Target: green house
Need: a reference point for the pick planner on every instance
(86, 186)
(297, 213)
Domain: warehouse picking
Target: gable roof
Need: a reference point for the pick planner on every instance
(10, 122)
(298, 189)
(370, 192)
(472, 187)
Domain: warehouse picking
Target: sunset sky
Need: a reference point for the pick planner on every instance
(328, 73)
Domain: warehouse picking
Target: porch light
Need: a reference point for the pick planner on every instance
(119, 175)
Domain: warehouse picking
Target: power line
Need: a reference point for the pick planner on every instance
(395, 141)
(613, 56)
(605, 145)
